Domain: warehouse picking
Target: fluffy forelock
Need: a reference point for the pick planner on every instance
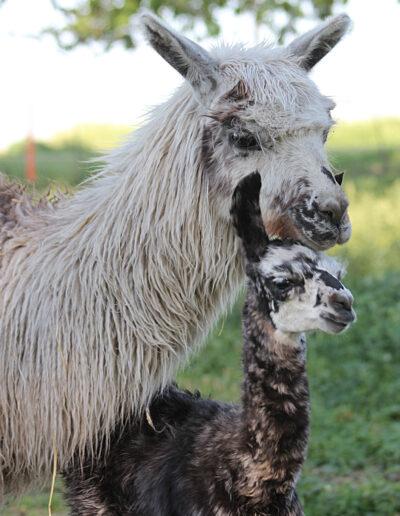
(271, 78)
(299, 258)
(332, 265)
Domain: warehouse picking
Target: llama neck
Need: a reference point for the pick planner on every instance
(275, 414)
(149, 233)
(139, 263)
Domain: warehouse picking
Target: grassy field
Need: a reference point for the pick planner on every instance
(63, 159)
(353, 465)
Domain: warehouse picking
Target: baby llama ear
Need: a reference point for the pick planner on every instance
(247, 219)
(312, 46)
(193, 62)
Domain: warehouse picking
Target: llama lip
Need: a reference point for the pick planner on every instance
(315, 232)
(317, 228)
(344, 230)
(339, 324)
(316, 245)
(316, 239)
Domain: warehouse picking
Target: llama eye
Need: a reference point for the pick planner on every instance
(325, 135)
(244, 140)
(283, 284)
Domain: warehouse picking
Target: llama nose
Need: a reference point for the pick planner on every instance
(334, 210)
(342, 302)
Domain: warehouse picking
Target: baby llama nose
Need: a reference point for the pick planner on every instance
(341, 301)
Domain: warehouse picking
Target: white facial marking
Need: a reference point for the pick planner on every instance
(313, 288)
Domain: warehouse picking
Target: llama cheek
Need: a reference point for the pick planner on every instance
(283, 322)
(280, 225)
(295, 318)
(213, 152)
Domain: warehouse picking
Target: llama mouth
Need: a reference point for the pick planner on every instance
(345, 231)
(338, 325)
(315, 232)
(316, 229)
(318, 242)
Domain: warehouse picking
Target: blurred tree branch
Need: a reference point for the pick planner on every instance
(112, 21)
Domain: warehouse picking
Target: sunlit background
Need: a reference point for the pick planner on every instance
(48, 89)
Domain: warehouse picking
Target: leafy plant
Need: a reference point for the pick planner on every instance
(110, 22)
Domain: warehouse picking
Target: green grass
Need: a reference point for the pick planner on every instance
(64, 159)
(379, 133)
(37, 504)
(374, 247)
(91, 136)
(353, 465)
(354, 447)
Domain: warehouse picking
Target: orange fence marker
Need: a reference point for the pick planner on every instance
(30, 160)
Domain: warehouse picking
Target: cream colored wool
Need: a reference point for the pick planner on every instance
(105, 293)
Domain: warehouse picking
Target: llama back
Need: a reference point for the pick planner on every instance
(19, 211)
(11, 195)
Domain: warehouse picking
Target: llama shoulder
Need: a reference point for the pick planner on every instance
(21, 209)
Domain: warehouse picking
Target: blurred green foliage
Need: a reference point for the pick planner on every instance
(377, 133)
(353, 465)
(37, 504)
(64, 159)
(110, 22)
(92, 136)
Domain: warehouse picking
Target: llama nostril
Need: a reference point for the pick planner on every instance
(328, 214)
(333, 211)
(340, 301)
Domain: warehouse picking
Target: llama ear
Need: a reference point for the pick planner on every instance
(193, 62)
(247, 219)
(339, 178)
(312, 46)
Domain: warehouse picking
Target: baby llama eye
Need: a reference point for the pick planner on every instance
(283, 284)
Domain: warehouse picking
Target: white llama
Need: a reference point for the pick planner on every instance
(106, 293)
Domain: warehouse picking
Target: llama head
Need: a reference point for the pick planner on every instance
(258, 110)
(298, 289)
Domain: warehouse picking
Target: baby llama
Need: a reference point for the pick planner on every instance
(198, 457)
